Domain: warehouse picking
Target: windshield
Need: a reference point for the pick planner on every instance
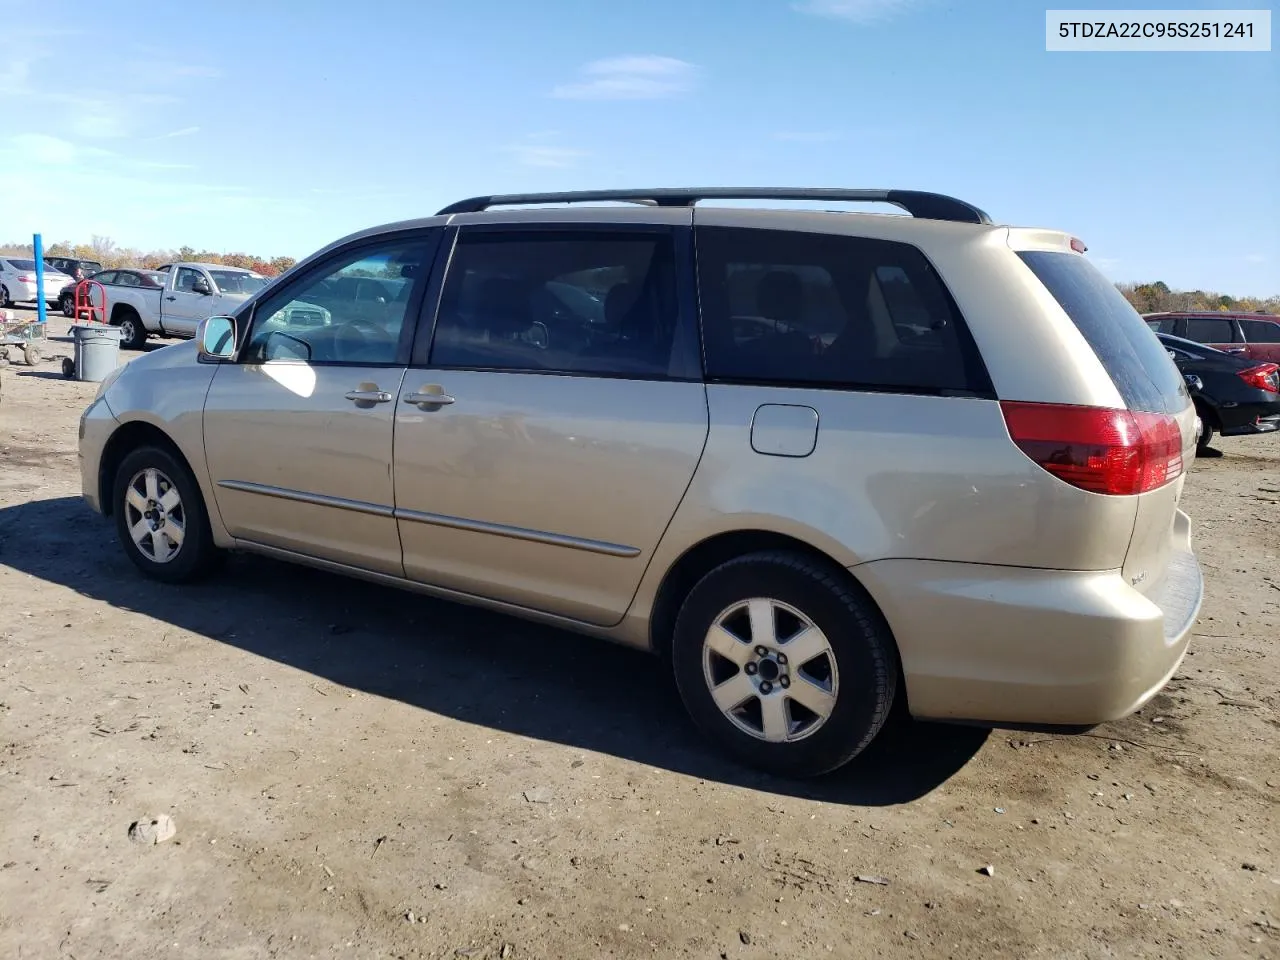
(235, 281)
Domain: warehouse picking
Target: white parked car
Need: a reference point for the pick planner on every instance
(18, 282)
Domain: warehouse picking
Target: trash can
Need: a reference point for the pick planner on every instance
(97, 348)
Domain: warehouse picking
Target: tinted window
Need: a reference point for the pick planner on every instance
(110, 276)
(823, 310)
(22, 264)
(579, 302)
(1131, 353)
(1261, 331)
(1163, 326)
(321, 319)
(1210, 329)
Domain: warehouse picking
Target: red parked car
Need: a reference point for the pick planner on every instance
(1255, 336)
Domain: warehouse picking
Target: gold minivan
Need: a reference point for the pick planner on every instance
(817, 459)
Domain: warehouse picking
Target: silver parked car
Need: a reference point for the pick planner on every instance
(831, 460)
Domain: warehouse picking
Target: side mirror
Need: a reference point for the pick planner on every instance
(216, 337)
(1194, 383)
(201, 286)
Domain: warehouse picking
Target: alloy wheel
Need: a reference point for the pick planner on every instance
(770, 670)
(154, 515)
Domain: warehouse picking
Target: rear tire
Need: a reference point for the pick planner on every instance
(161, 517)
(4, 297)
(132, 333)
(785, 663)
(68, 305)
(1206, 430)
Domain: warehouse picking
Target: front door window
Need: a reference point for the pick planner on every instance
(353, 312)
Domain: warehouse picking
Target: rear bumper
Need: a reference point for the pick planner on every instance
(1267, 422)
(22, 292)
(1020, 646)
(1259, 415)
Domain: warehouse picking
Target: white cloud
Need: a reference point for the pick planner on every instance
(98, 121)
(856, 11)
(25, 150)
(40, 148)
(641, 77)
(807, 136)
(546, 155)
(184, 132)
(81, 102)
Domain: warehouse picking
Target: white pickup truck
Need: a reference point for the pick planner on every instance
(192, 292)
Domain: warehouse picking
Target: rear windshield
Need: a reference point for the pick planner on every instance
(23, 264)
(1130, 351)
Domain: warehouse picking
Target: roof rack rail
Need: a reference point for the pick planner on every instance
(918, 203)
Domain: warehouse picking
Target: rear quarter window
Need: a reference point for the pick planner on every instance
(788, 308)
(1128, 349)
(1261, 331)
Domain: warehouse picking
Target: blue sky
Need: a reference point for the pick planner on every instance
(240, 126)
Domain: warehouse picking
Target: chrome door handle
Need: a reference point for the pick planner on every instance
(429, 399)
(369, 396)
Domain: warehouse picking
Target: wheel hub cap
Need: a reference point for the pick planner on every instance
(770, 670)
(155, 515)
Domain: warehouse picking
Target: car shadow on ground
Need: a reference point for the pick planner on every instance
(454, 660)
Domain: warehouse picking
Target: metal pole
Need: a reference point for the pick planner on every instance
(38, 243)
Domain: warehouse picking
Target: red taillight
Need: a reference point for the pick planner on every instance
(1118, 452)
(1262, 377)
(1078, 245)
(25, 279)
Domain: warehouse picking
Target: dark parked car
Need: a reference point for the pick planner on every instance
(74, 267)
(1233, 395)
(152, 279)
(1252, 335)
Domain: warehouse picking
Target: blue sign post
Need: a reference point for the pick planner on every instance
(38, 243)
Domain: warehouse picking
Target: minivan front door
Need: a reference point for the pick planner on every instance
(298, 430)
(544, 444)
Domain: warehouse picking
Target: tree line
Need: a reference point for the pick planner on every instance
(1159, 298)
(1155, 297)
(105, 251)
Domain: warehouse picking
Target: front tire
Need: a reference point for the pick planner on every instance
(785, 663)
(132, 333)
(161, 517)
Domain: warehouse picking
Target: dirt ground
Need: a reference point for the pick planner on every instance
(357, 772)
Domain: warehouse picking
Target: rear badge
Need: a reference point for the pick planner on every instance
(1138, 579)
